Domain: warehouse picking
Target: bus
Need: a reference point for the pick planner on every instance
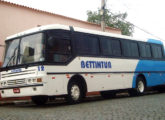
(57, 60)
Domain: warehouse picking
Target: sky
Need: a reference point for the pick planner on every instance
(146, 14)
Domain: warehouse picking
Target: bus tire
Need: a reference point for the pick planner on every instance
(39, 100)
(108, 94)
(140, 87)
(75, 93)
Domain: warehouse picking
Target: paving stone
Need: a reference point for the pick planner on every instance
(148, 107)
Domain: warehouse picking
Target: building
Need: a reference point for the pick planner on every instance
(15, 18)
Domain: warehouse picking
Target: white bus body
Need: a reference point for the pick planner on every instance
(99, 73)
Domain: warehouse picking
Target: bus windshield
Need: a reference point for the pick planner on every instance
(28, 49)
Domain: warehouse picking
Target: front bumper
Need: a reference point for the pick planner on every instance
(26, 90)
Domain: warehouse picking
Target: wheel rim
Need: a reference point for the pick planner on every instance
(75, 92)
(140, 86)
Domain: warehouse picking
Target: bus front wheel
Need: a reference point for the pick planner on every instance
(75, 93)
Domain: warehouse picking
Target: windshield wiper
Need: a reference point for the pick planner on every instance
(12, 57)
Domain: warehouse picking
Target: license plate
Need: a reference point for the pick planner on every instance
(16, 90)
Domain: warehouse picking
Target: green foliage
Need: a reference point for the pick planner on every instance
(112, 20)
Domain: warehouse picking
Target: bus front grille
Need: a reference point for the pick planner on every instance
(16, 82)
(22, 73)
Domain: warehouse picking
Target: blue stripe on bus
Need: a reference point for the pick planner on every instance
(155, 41)
(152, 79)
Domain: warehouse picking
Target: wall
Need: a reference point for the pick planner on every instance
(15, 18)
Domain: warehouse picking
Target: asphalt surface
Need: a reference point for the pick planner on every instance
(122, 107)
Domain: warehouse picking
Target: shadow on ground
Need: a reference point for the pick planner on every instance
(61, 102)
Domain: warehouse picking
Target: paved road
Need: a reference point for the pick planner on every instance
(148, 107)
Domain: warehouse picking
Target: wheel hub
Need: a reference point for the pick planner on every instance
(141, 86)
(75, 92)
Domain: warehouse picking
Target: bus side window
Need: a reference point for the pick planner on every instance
(116, 48)
(130, 49)
(145, 50)
(106, 46)
(59, 49)
(87, 45)
(156, 51)
(110, 47)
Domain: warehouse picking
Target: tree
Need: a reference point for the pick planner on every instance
(112, 20)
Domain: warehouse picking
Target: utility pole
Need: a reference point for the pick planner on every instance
(102, 15)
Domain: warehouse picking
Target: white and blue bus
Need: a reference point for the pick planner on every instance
(57, 60)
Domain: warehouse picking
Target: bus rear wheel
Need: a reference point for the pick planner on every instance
(75, 93)
(39, 100)
(140, 87)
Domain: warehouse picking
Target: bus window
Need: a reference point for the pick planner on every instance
(145, 50)
(116, 47)
(87, 45)
(11, 52)
(106, 46)
(110, 47)
(134, 49)
(156, 51)
(31, 49)
(58, 49)
(130, 49)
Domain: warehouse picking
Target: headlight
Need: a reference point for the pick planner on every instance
(33, 80)
(29, 80)
(3, 84)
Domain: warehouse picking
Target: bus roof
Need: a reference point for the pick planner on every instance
(64, 27)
